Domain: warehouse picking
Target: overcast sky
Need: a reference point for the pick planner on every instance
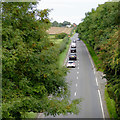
(69, 10)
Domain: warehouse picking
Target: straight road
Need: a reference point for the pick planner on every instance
(83, 85)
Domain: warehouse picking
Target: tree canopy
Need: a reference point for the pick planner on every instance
(30, 73)
(100, 28)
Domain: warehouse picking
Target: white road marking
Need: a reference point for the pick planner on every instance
(77, 77)
(101, 104)
(76, 85)
(77, 72)
(78, 67)
(75, 94)
(96, 81)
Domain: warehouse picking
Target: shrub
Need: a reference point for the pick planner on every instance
(60, 36)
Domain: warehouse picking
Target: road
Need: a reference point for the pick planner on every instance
(84, 85)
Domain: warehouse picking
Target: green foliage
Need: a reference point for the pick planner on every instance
(63, 44)
(60, 36)
(56, 24)
(100, 30)
(110, 105)
(30, 72)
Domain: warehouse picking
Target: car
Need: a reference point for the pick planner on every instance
(71, 64)
(73, 50)
(78, 39)
(74, 41)
(73, 45)
(72, 56)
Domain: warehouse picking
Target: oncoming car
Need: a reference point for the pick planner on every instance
(71, 64)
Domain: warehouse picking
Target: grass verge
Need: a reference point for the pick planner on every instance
(110, 105)
(29, 115)
(94, 57)
(62, 56)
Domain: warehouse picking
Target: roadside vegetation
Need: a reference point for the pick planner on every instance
(100, 29)
(30, 69)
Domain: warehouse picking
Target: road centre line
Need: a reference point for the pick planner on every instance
(76, 84)
(75, 94)
(77, 77)
(77, 72)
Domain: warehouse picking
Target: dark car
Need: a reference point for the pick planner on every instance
(74, 41)
(72, 56)
(73, 50)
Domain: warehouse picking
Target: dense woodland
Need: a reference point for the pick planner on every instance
(32, 80)
(100, 28)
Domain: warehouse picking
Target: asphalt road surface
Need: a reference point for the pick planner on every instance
(84, 85)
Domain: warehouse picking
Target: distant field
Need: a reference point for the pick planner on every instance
(57, 30)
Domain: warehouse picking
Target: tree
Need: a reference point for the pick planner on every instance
(100, 28)
(30, 70)
(55, 24)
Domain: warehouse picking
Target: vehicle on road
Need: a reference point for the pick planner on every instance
(72, 56)
(73, 45)
(78, 39)
(71, 63)
(73, 50)
(74, 41)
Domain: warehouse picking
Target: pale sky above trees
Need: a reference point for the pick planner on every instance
(69, 10)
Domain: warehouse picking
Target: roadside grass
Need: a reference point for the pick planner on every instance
(110, 105)
(62, 56)
(29, 115)
(94, 57)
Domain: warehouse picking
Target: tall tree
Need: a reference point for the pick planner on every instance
(30, 70)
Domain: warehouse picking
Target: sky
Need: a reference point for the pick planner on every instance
(72, 11)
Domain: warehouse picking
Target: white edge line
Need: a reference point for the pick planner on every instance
(101, 104)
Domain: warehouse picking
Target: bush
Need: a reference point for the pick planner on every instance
(60, 36)
(64, 44)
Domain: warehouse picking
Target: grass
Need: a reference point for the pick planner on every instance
(110, 105)
(62, 56)
(94, 57)
(30, 115)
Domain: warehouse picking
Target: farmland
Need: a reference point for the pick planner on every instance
(57, 30)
